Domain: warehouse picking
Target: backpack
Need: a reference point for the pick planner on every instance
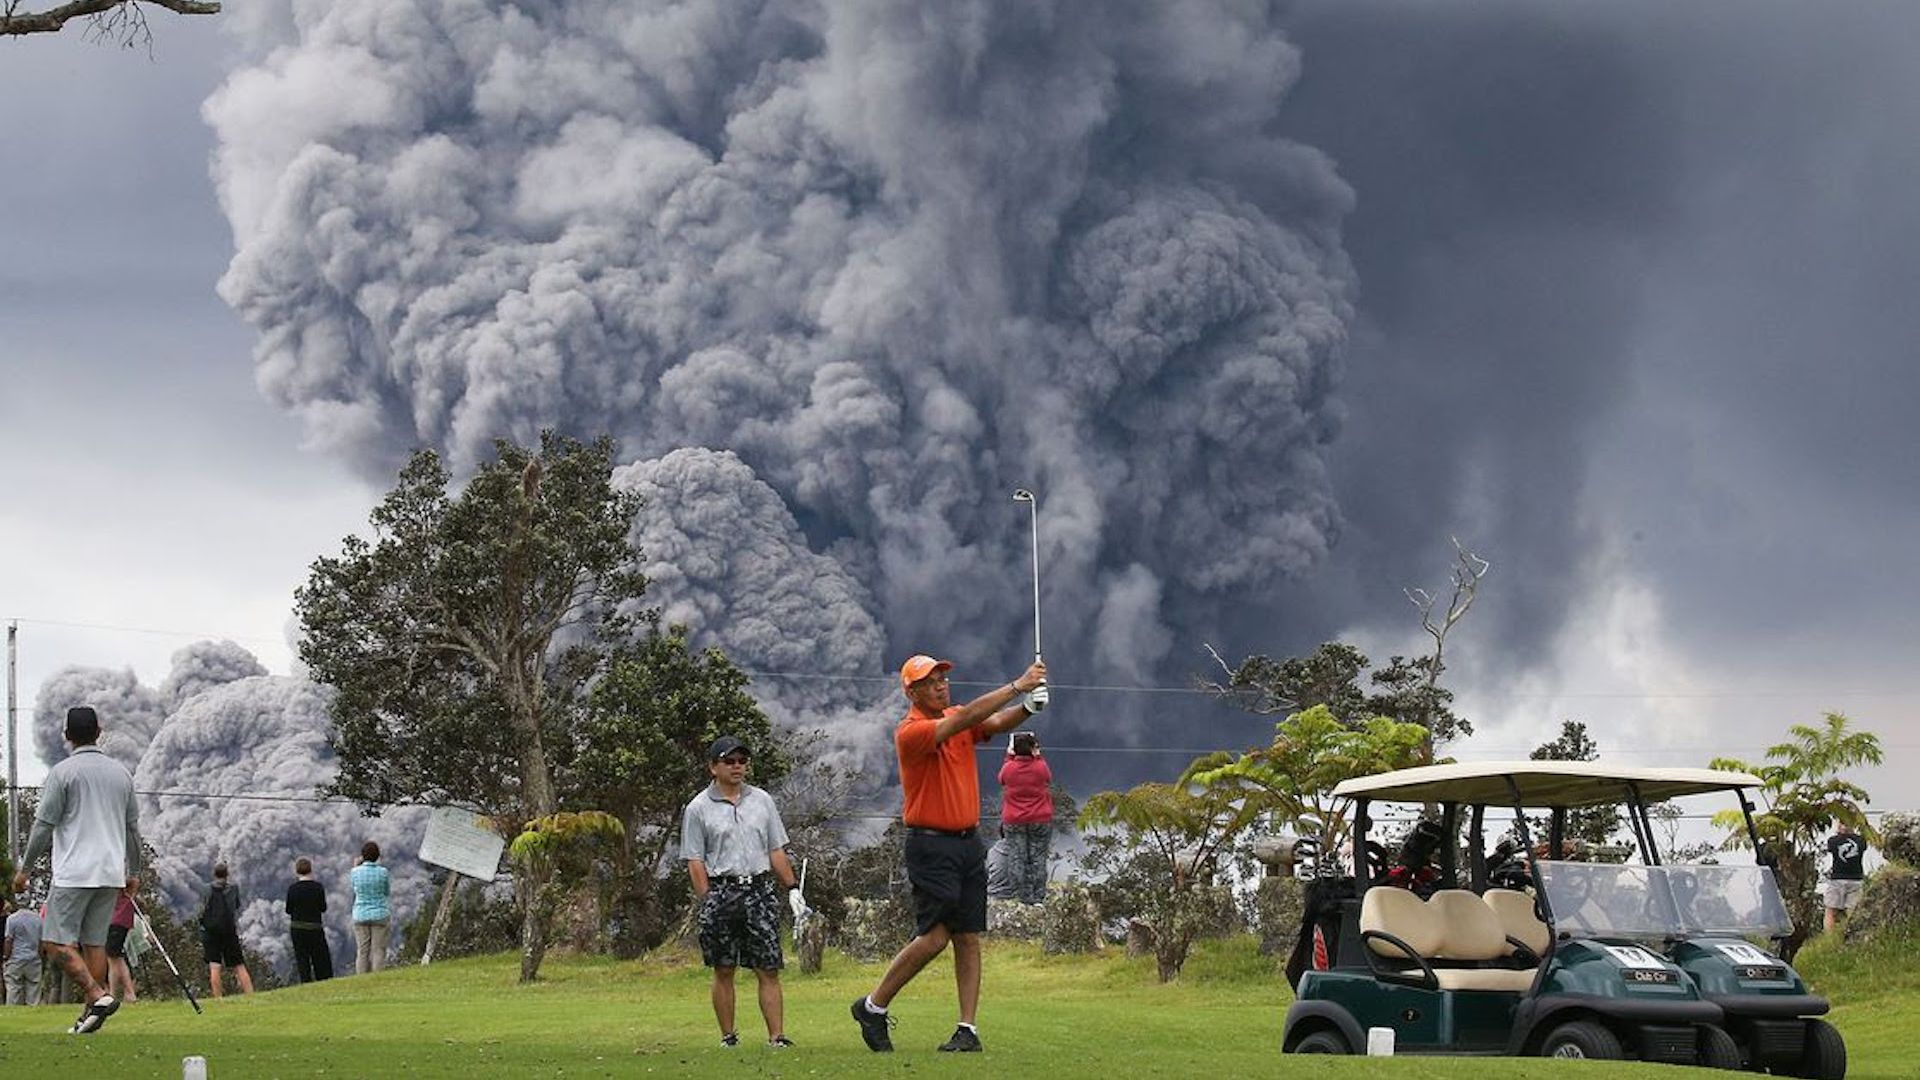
(217, 916)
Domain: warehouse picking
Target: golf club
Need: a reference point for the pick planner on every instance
(1025, 496)
(162, 950)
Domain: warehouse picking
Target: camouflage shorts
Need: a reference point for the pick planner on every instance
(740, 926)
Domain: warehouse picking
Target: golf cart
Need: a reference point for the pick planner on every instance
(1570, 959)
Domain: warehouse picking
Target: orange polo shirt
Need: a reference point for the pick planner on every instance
(941, 779)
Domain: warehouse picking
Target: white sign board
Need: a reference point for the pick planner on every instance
(460, 841)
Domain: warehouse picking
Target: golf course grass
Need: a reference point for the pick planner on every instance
(1042, 1016)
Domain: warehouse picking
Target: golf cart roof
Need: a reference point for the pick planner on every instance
(1541, 783)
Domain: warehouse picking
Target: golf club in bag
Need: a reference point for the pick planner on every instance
(162, 950)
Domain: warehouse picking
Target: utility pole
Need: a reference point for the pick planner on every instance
(13, 745)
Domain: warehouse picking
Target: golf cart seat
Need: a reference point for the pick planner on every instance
(1455, 936)
(1516, 912)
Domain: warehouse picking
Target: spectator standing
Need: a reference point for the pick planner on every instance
(1847, 872)
(1026, 812)
(306, 908)
(119, 970)
(20, 955)
(946, 866)
(220, 934)
(735, 845)
(89, 821)
(371, 915)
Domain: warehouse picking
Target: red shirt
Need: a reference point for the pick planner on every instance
(1025, 795)
(940, 779)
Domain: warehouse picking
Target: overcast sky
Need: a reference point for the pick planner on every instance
(1635, 319)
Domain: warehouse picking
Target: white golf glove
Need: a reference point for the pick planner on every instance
(798, 904)
(1036, 699)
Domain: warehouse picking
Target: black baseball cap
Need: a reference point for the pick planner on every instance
(724, 745)
(83, 724)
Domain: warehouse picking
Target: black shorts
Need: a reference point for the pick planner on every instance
(949, 879)
(222, 949)
(117, 940)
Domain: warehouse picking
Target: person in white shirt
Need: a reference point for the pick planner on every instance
(89, 820)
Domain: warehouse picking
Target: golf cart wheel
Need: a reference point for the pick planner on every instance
(1824, 1055)
(1322, 1042)
(1582, 1039)
(1717, 1050)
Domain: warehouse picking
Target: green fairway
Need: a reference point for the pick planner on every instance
(1041, 1016)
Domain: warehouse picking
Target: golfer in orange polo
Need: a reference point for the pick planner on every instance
(946, 865)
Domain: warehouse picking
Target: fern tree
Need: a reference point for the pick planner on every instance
(1289, 785)
(1805, 795)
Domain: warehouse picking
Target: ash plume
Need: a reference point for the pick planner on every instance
(894, 260)
(205, 665)
(130, 713)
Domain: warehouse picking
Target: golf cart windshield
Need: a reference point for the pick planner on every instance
(1602, 900)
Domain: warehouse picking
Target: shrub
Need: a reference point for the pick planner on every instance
(1900, 839)
(1070, 922)
(1890, 902)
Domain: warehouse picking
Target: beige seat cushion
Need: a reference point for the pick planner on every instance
(1473, 931)
(1515, 910)
(1398, 912)
(1485, 979)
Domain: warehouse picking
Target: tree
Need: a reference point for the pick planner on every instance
(1290, 783)
(460, 642)
(1330, 677)
(1468, 569)
(643, 738)
(1806, 795)
(122, 20)
(1593, 825)
(1179, 831)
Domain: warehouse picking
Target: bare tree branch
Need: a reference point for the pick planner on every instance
(121, 19)
(1468, 569)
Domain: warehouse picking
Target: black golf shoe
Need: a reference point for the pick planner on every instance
(873, 1026)
(964, 1041)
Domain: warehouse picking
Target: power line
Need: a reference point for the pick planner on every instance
(142, 630)
(1100, 688)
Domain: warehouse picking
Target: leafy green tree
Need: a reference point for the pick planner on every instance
(1179, 830)
(1331, 676)
(1593, 825)
(643, 740)
(1289, 785)
(460, 642)
(562, 852)
(1806, 795)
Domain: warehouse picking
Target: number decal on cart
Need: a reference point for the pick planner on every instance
(1634, 956)
(1742, 953)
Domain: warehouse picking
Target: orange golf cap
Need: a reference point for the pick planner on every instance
(919, 667)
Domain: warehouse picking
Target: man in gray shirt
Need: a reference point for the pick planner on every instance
(735, 846)
(88, 819)
(20, 956)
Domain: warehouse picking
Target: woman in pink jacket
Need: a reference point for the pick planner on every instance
(1026, 812)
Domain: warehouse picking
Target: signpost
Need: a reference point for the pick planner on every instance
(461, 841)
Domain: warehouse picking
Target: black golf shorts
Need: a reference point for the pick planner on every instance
(222, 948)
(949, 879)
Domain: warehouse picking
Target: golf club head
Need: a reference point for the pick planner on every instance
(1022, 495)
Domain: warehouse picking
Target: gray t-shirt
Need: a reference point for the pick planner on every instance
(88, 816)
(23, 933)
(728, 838)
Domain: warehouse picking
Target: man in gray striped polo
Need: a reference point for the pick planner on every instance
(735, 845)
(88, 819)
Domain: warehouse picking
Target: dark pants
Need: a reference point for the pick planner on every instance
(312, 961)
